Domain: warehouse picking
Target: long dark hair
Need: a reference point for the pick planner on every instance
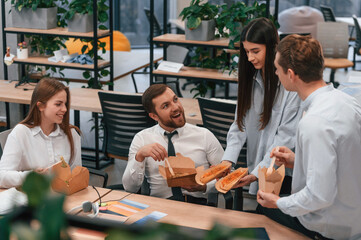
(260, 31)
(44, 90)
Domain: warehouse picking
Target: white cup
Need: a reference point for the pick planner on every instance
(22, 53)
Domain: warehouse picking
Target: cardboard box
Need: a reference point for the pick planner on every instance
(184, 171)
(67, 181)
(273, 182)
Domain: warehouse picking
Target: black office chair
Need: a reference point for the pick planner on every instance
(357, 46)
(123, 117)
(4, 135)
(157, 29)
(217, 117)
(327, 13)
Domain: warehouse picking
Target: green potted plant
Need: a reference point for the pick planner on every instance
(200, 20)
(40, 14)
(80, 15)
(232, 19)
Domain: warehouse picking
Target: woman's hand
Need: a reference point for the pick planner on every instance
(283, 156)
(246, 180)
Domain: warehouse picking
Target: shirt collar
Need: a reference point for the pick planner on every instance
(258, 78)
(36, 130)
(179, 130)
(307, 102)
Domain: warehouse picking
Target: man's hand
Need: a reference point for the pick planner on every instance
(195, 188)
(283, 156)
(154, 150)
(246, 180)
(268, 200)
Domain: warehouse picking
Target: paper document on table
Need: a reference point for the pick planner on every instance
(170, 66)
(11, 198)
(154, 216)
(123, 208)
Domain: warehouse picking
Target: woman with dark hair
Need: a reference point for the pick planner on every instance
(43, 137)
(267, 115)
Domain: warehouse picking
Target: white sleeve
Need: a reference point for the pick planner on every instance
(134, 172)
(286, 131)
(319, 159)
(10, 161)
(77, 149)
(235, 142)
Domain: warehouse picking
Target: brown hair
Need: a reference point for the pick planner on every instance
(259, 31)
(303, 55)
(44, 90)
(152, 92)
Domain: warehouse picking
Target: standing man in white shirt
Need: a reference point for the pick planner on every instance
(326, 193)
(148, 148)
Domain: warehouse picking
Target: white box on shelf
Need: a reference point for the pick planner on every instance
(170, 66)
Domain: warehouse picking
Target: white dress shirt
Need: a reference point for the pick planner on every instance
(326, 183)
(192, 141)
(27, 149)
(280, 130)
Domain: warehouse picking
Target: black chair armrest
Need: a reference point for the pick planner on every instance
(101, 174)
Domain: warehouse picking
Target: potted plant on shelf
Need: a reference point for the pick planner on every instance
(40, 14)
(232, 19)
(200, 20)
(80, 15)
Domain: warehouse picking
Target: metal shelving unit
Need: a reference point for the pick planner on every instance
(42, 61)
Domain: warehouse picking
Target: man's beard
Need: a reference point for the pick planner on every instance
(173, 124)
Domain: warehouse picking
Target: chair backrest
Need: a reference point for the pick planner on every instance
(358, 35)
(333, 37)
(3, 137)
(327, 13)
(123, 117)
(157, 29)
(217, 117)
(176, 53)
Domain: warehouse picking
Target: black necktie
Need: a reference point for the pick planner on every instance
(171, 151)
(177, 192)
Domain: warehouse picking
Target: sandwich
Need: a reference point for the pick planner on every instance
(213, 173)
(225, 184)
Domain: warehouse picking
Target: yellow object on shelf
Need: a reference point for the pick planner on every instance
(120, 43)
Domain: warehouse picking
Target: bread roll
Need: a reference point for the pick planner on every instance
(226, 183)
(215, 171)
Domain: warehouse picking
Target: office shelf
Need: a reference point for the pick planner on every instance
(63, 32)
(199, 73)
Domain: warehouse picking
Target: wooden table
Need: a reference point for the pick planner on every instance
(203, 217)
(348, 20)
(85, 99)
(87, 194)
(125, 63)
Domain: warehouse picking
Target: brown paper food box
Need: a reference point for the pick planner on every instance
(67, 181)
(273, 182)
(184, 171)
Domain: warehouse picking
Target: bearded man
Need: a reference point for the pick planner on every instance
(150, 147)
